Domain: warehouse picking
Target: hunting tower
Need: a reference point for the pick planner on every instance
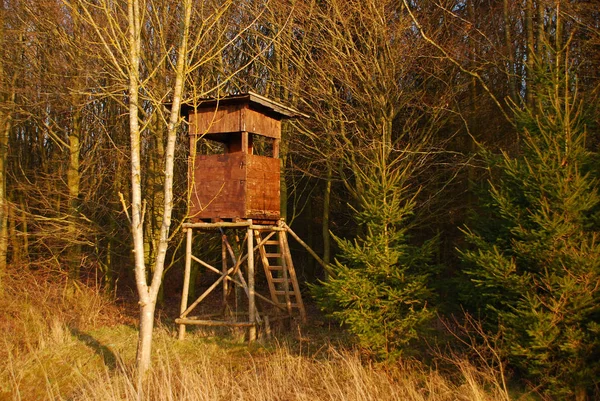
(233, 182)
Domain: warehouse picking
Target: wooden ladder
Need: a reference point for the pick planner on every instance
(280, 272)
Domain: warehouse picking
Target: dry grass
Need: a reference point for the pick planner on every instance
(281, 375)
(35, 306)
(42, 322)
(65, 348)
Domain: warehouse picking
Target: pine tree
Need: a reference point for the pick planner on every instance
(535, 256)
(379, 287)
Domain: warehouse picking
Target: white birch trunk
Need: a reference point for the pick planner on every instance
(148, 293)
(146, 319)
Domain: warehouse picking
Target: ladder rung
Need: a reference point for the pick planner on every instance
(292, 305)
(281, 280)
(272, 242)
(273, 255)
(276, 268)
(290, 293)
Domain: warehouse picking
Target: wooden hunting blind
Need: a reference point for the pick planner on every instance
(233, 178)
(240, 181)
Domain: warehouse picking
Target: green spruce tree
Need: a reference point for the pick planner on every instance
(535, 255)
(379, 286)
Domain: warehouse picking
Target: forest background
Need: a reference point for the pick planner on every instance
(449, 164)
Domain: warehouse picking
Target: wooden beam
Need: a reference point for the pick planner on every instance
(251, 300)
(208, 266)
(308, 248)
(276, 148)
(219, 224)
(224, 271)
(201, 297)
(214, 323)
(266, 228)
(186, 279)
(245, 148)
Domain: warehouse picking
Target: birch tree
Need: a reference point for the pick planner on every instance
(123, 35)
(121, 45)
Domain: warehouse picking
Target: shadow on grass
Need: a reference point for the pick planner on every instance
(109, 357)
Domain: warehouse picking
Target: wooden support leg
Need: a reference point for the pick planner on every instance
(186, 279)
(251, 300)
(285, 272)
(267, 328)
(224, 270)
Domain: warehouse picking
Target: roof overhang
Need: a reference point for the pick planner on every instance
(255, 100)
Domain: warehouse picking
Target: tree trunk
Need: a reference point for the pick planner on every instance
(157, 184)
(137, 228)
(530, 53)
(4, 130)
(512, 85)
(144, 349)
(73, 182)
(24, 231)
(15, 246)
(558, 43)
(325, 221)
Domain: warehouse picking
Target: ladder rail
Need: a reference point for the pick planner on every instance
(293, 277)
(266, 265)
(281, 277)
(284, 273)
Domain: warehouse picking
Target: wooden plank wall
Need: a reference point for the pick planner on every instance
(262, 197)
(223, 120)
(258, 123)
(219, 187)
(234, 118)
(235, 185)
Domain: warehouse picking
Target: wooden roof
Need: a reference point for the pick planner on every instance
(261, 103)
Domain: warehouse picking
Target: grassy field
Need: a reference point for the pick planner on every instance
(82, 347)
